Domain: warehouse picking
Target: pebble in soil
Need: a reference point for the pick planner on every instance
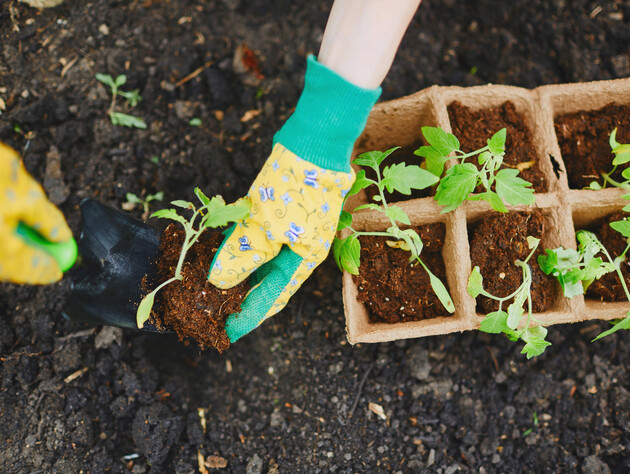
(193, 307)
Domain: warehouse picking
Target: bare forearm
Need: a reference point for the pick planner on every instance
(362, 37)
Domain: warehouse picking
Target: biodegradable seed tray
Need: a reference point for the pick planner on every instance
(398, 122)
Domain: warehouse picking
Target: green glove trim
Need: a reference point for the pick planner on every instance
(271, 279)
(328, 119)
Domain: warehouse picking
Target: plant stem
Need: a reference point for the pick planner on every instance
(617, 184)
(472, 153)
(618, 269)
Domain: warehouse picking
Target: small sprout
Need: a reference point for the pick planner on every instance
(195, 122)
(398, 177)
(508, 322)
(212, 213)
(133, 200)
(155, 159)
(461, 179)
(132, 98)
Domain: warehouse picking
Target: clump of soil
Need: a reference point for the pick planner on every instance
(193, 307)
(608, 287)
(583, 138)
(395, 290)
(496, 242)
(474, 128)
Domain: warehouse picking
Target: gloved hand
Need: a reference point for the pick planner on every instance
(296, 198)
(22, 200)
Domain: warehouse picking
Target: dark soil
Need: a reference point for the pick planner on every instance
(394, 290)
(494, 249)
(194, 308)
(474, 128)
(584, 143)
(608, 287)
(292, 396)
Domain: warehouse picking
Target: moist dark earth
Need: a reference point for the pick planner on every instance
(293, 396)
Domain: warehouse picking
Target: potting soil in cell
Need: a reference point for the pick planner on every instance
(608, 287)
(395, 290)
(584, 143)
(474, 128)
(194, 308)
(496, 242)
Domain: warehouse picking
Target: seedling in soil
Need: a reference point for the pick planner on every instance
(577, 269)
(508, 322)
(461, 179)
(212, 213)
(397, 177)
(132, 98)
(622, 157)
(133, 200)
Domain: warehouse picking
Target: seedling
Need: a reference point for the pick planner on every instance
(508, 322)
(132, 98)
(461, 179)
(397, 177)
(577, 269)
(133, 200)
(622, 157)
(212, 213)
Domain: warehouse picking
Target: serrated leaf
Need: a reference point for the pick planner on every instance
(513, 189)
(535, 346)
(495, 323)
(496, 144)
(492, 198)
(105, 79)
(170, 214)
(623, 324)
(483, 157)
(623, 227)
(444, 142)
(220, 214)
(433, 158)
(182, 204)
(347, 253)
(201, 196)
(373, 159)
(403, 178)
(475, 283)
(132, 97)
(457, 185)
(548, 262)
(345, 220)
(361, 182)
(397, 214)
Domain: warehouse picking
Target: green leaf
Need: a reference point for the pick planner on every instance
(118, 118)
(397, 214)
(444, 142)
(361, 182)
(371, 205)
(345, 220)
(159, 196)
(133, 199)
(495, 323)
(475, 283)
(403, 178)
(613, 139)
(483, 157)
(536, 344)
(623, 227)
(492, 198)
(547, 263)
(496, 144)
(202, 197)
(433, 158)
(170, 214)
(415, 240)
(144, 309)
(623, 324)
(106, 79)
(132, 97)
(220, 214)
(459, 182)
(515, 313)
(626, 174)
(513, 189)
(441, 292)
(121, 80)
(347, 253)
(183, 204)
(621, 158)
(195, 122)
(595, 186)
(373, 159)
(532, 242)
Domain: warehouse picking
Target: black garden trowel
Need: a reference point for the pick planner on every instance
(116, 254)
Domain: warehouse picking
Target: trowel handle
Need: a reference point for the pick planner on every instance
(64, 253)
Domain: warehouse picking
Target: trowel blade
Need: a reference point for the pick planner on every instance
(117, 251)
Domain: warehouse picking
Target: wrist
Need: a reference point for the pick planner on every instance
(329, 117)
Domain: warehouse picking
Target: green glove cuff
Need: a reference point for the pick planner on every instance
(329, 117)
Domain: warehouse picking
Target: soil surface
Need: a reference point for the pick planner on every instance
(608, 287)
(494, 249)
(474, 128)
(292, 396)
(194, 308)
(394, 290)
(584, 143)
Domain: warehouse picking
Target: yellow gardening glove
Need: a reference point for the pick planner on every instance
(296, 199)
(22, 200)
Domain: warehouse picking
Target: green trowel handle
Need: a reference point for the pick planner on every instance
(64, 253)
